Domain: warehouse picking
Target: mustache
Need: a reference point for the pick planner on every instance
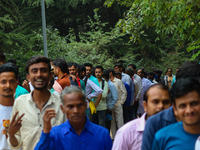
(8, 90)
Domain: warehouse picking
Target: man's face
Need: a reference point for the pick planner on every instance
(74, 108)
(117, 69)
(118, 76)
(110, 75)
(139, 73)
(158, 100)
(82, 74)
(55, 70)
(169, 72)
(132, 68)
(88, 70)
(8, 84)
(98, 73)
(72, 70)
(39, 75)
(187, 108)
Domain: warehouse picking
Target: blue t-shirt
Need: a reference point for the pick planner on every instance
(20, 91)
(128, 97)
(64, 137)
(155, 123)
(174, 137)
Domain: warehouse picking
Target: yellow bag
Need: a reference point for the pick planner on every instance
(92, 107)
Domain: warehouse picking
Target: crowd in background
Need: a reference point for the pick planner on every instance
(126, 106)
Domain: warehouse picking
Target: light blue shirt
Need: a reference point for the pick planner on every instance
(112, 96)
(92, 89)
(126, 78)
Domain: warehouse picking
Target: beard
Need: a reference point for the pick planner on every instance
(40, 88)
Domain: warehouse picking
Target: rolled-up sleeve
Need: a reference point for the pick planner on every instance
(96, 88)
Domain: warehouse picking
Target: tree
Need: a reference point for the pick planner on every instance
(175, 19)
(9, 20)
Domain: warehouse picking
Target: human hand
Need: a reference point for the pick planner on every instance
(26, 85)
(73, 77)
(88, 99)
(48, 115)
(15, 124)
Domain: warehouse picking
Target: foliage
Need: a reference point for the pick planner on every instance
(84, 31)
(9, 20)
(176, 19)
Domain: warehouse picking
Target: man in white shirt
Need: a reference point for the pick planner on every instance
(8, 84)
(28, 110)
(117, 112)
(125, 77)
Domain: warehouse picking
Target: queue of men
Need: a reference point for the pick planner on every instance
(98, 109)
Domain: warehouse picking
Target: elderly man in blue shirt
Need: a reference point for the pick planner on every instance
(76, 133)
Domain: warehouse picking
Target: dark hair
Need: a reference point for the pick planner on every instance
(99, 67)
(9, 67)
(37, 59)
(70, 64)
(168, 69)
(134, 66)
(118, 73)
(158, 71)
(62, 64)
(81, 68)
(184, 86)
(188, 69)
(129, 71)
(106, 74)
(12, 61)
(151, 74)
(160, 86)
(88, 65)
(111, 70)
(118, 65)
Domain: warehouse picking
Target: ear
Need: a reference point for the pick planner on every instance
(145, 106)
(175, 112)
(61, 107)
(58, 69)
(27, 77)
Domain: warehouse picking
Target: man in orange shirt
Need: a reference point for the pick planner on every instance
(61, 71)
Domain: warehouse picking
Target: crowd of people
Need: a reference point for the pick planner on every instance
(84, 107)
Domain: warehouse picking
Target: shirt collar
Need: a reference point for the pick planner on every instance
(50, 101)
(87, 127)
(141, 123)
(114, 79)
(169, 115)
(78, 79)
(64, 75)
